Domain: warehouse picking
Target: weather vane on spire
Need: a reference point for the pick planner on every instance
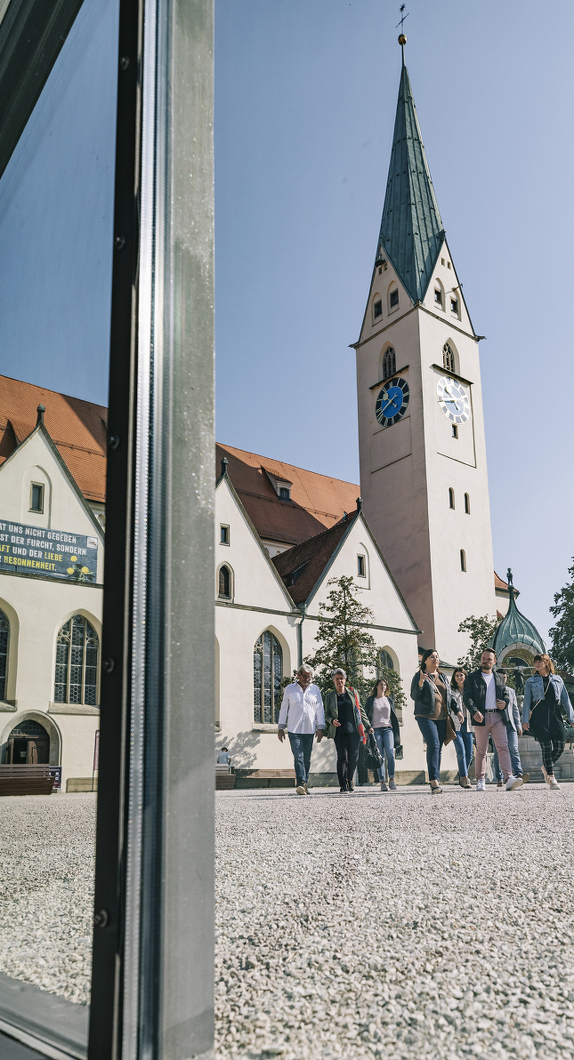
(402, 35)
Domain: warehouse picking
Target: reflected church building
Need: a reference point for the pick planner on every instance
(418, 544)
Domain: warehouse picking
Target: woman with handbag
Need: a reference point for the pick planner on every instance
(463, 741)
(346, 723)
(545, 698)
(380, 711)
(435, 709)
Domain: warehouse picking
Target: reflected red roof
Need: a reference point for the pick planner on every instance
(317, 501)
(78, 429)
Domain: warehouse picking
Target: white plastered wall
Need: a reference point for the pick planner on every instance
(37, 607)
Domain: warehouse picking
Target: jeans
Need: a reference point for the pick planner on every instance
(464, 748)
(493, 725)
(512, 737)
(347, 746)
(434, 733)
(301, 746)
(386, 744)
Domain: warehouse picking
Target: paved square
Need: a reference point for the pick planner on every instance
(396, 925)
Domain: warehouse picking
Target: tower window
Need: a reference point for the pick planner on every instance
(438, 295)
(467, 504)
(389, 363)
(361, 567)
(462, 559)
(454, 430)
(454, 305)
(442, 261)
(36, 497)
(394, 298)
(223, 535)
(224, 591)
(448, 265)
(377, 309)
(451, 497)
(448, 357)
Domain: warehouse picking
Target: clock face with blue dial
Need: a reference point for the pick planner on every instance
(453, 399)
(392, 402)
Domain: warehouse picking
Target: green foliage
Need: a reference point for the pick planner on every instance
(562, 633)
(343, 639)
(481, 631)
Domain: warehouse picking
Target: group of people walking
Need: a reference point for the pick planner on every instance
(465, 709)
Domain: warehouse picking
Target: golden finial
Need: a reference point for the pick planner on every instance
(402, 39)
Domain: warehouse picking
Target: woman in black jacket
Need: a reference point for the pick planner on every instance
(380, 711)
(434, 701)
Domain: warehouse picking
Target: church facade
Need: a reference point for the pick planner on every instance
(417, 545)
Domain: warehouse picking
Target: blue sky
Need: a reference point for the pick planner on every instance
(305, 102)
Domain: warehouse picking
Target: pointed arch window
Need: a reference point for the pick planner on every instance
(224, 583)
(4, 638)
(386, 660)
(267, 675)
(451, 497)
(448, 357)
(77, 654)
(389, 363)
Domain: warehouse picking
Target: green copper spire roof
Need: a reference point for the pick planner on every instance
(411, 228)
(515, 628)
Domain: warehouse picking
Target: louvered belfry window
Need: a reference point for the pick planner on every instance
(267, 674)
(389, 363)
(77, 663)
(448, 357)
(4, 635)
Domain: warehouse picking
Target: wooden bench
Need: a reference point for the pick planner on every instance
(25, 780)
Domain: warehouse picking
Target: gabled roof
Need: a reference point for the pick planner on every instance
(515, 628)
(308, 560)
(77, 428)
(317, 501)
(411, 229)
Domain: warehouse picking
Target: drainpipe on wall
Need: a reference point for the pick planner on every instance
(300, 631)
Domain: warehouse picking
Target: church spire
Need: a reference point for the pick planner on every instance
(411, 229)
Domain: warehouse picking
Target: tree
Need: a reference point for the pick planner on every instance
(481, 631)
(343, 639)
(562, 633)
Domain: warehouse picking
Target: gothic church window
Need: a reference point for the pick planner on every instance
(224, 586)
(448, 357)
(4, 636)
(389, 363)
(77, 653)
(386, 659)
(267, 675)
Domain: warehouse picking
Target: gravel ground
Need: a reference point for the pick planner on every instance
(396, 925)
(46, 889)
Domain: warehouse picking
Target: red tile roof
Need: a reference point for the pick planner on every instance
(309, 559)
(317, 501)
(78, 429)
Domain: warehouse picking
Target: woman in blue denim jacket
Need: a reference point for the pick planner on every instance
(545, 697)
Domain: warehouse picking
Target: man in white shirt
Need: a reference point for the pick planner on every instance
(302, 714)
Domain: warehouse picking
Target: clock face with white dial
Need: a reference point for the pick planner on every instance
(453, 399)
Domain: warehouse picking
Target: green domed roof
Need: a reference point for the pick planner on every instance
(515, 628)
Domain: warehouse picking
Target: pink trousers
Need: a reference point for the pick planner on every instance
(493, 725)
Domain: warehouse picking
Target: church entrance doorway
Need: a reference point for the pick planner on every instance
(28, 745)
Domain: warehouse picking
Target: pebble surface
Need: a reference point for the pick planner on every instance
(396, 925)
(46, 891)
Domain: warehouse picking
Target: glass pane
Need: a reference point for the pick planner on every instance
(56, 213)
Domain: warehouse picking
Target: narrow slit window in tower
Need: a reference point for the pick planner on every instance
(451, 497)
(462, 559)
(467, 504)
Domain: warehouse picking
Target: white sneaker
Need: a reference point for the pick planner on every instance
(513, 782)
(481, 785)
(553, 783)
(300, 789)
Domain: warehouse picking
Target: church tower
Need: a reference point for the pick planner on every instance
(421, 431)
